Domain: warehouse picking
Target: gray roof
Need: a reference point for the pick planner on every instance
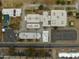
(64, 34)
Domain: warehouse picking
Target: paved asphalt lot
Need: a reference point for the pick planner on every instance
(9, 36)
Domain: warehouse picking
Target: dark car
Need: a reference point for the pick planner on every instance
(77, 15)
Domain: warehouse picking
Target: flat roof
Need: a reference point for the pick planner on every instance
(59, 18)
(10, 11)
(29, 35)
(71, 54)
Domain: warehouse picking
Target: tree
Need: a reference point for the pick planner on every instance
(68, 2)
(41, 7)
(55, 28)
(60, 2)
(57, 2)
(30, 51)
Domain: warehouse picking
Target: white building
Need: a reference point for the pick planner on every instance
(45, 13)
(33, 18)
(7, 11)
(11, 12)
(58, 18)
(70, 54)
(29, 35)
(33, 26)
(45, 36)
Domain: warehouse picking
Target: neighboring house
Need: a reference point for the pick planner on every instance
(13, 12)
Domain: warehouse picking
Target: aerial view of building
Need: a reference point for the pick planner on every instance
(39, 29)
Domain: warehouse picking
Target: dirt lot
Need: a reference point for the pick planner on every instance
(15, 23)
(15, 3)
